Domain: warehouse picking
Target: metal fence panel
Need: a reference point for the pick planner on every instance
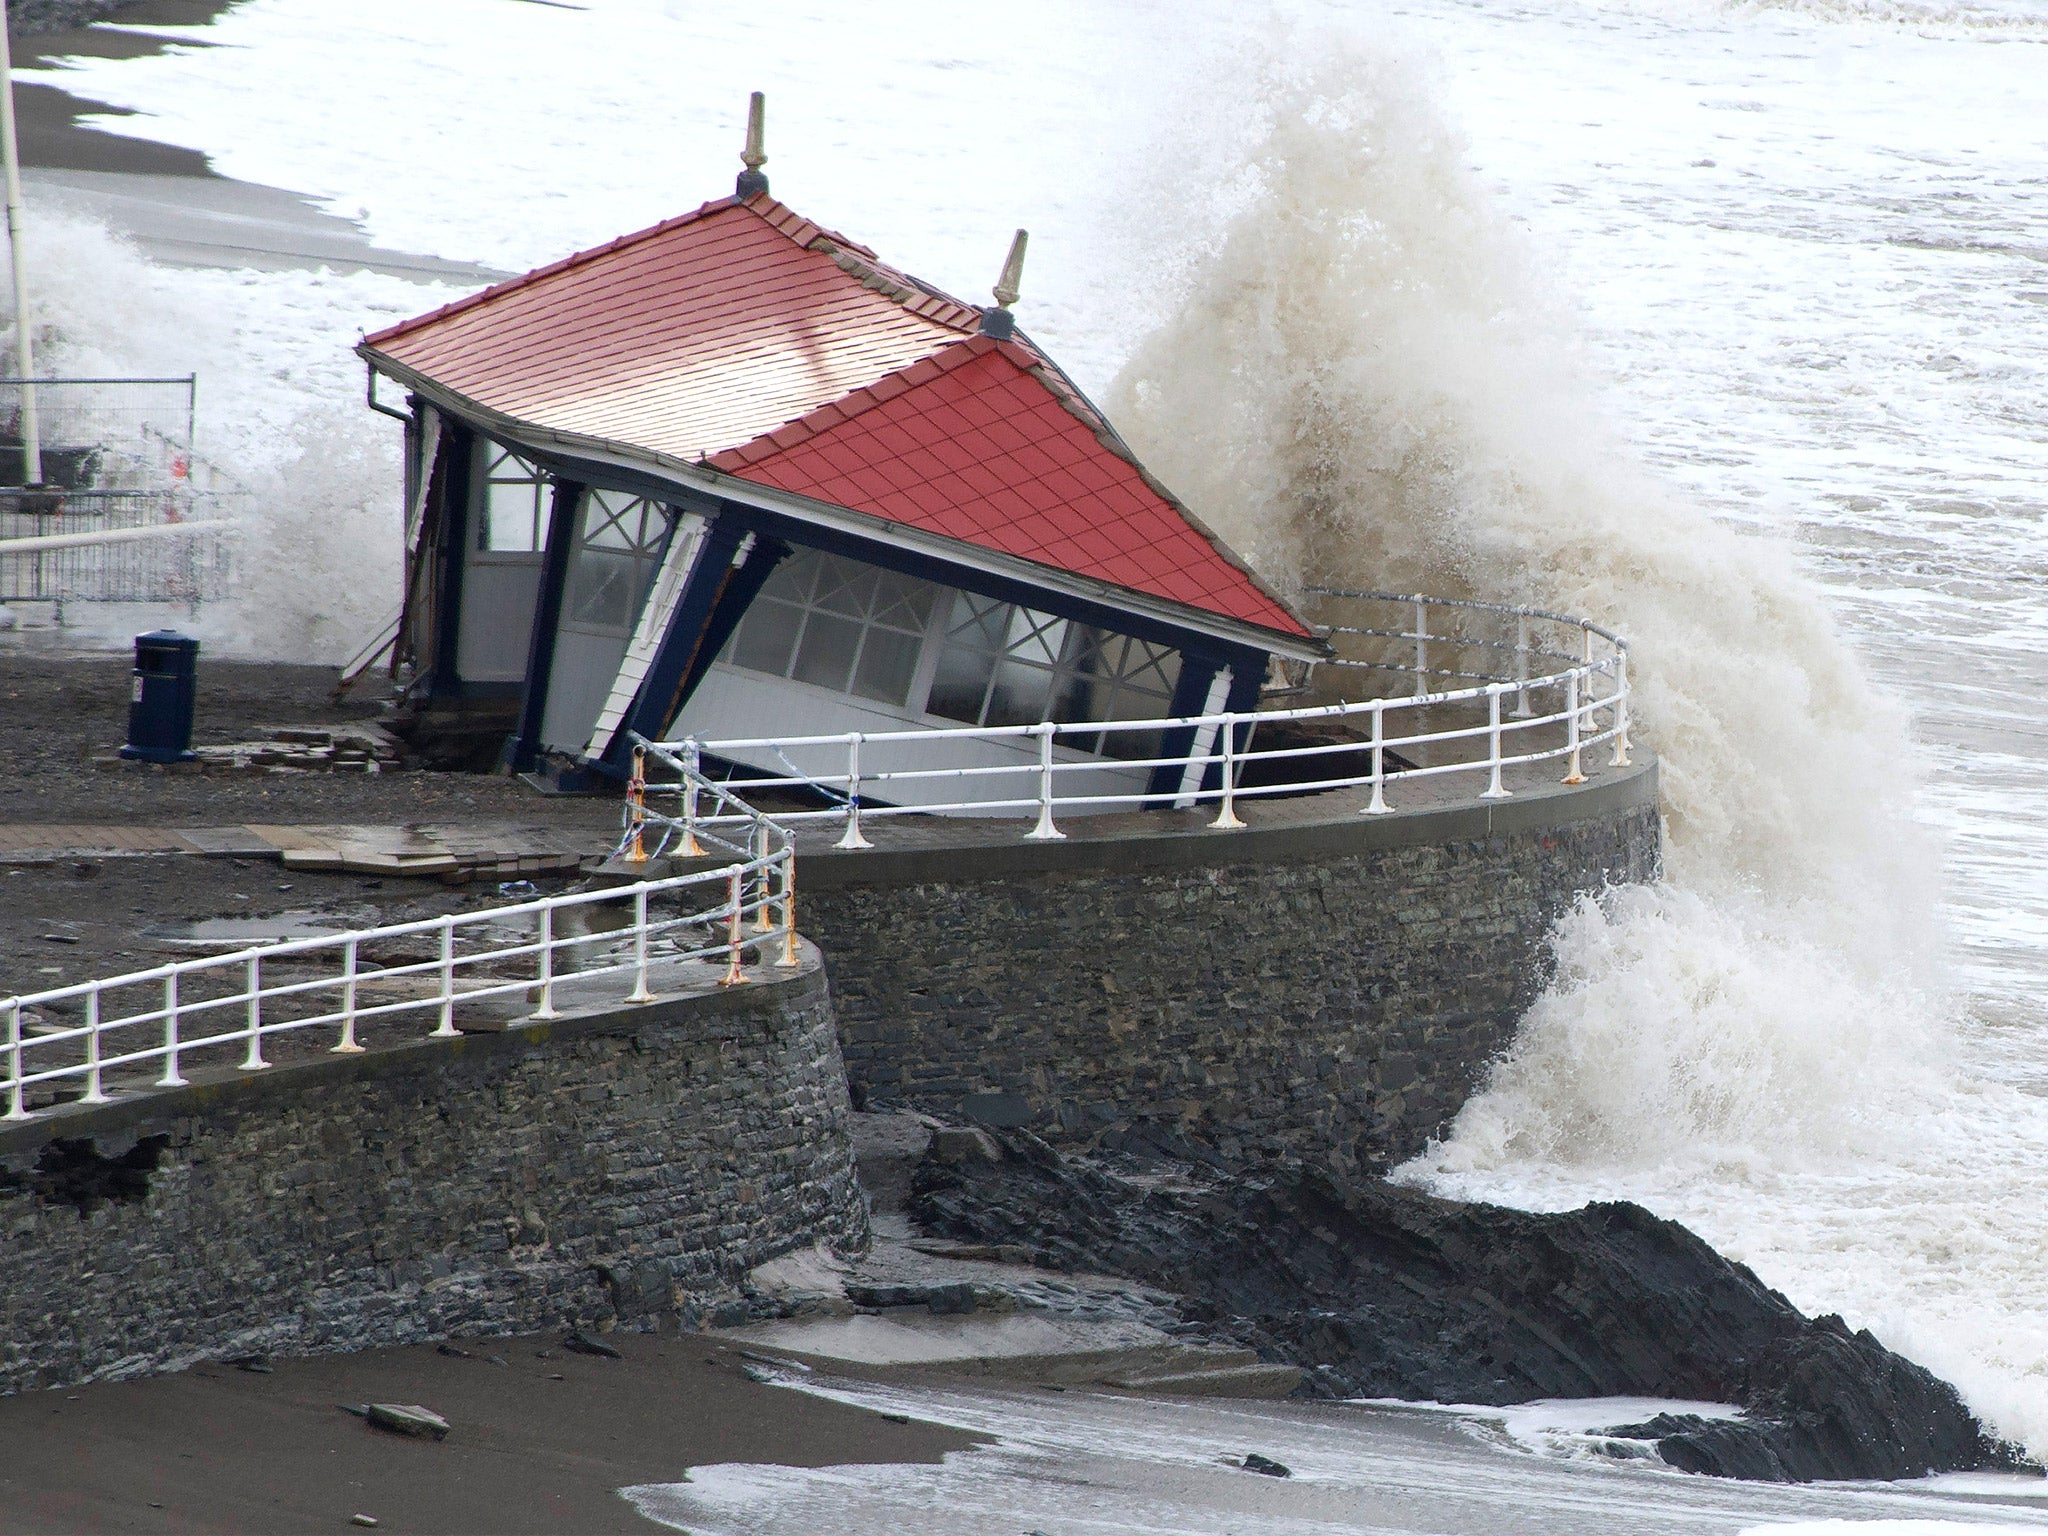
(117, 458)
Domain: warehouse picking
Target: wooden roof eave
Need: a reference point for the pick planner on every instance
(705, 480)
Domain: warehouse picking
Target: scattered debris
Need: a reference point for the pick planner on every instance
(59, 938)
(767, 1360)
(401, 1419)
(581, 1343)
(453, 1352)
(257, 1365)
(359, 748)
(1265, 1465)
(368, 1522)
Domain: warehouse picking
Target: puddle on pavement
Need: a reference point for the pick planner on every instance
(242, 932)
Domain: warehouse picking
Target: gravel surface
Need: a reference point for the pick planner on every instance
(70, 919)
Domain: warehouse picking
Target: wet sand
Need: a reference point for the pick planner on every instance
(47, 118)
(169, 199)
(218, 1449)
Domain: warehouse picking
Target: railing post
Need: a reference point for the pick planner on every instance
(734, 976)
(852, 838)
(1621, 744)
(789, 948)
(94, 1092)
(254, 1062)
(1573, 773)
(693, 758)
(1494, 790)
(348, 1046)
(640, 994)
(1045, 831)
(447, 1030)
(15, 1109)
(764, 881)
(1421, 647)
(1522, 706)
(1226, 814)
(171, 1077)
(546, 1010)
(1378, 807)
(636, 809)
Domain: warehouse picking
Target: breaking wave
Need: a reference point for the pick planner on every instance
(2012, 18)
(1360, 378)
(1358, 373)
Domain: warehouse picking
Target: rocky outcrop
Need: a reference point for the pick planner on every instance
(1382, 1291)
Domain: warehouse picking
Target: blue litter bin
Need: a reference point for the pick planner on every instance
(161, 702)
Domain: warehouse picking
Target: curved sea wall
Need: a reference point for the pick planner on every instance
(623, 1166)
(1331, 988)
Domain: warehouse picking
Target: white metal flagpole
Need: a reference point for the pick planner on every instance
(31, 437)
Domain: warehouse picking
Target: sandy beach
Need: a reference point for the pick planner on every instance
(539, 1443)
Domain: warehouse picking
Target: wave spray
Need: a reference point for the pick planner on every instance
(1359, 378)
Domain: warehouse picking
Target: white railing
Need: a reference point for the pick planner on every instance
(1490, 687)
(221, 1009)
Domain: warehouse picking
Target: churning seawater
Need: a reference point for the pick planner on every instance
(1724, 323)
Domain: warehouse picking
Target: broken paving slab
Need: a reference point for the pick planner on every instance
(224, 842)
(452, 853)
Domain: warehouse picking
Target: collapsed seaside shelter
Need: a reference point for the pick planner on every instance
(735, 476)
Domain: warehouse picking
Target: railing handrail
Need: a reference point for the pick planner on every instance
(758, 882)
(1515, 610)
(175, 378)
(1595, 711)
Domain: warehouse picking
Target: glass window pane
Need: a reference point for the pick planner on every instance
(888, 665)
(825, 654)
(903, 602)
(959, 684)
(512, 519)
(767, 637)
(983, 622)
(1037, 637)
(601, 590)
(1021, 694)
(845, 588)
(790, 581)
(1152, 669)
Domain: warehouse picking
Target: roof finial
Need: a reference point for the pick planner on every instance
(999, 322)
(751, 182)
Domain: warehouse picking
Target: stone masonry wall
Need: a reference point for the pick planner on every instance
(1330, 991)
(626, 1166)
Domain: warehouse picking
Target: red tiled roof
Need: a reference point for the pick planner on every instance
(743, 336)
(982, 443)
(687, 338)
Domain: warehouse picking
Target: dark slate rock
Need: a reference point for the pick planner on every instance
(1382, 1291)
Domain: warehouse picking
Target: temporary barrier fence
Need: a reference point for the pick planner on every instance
(120, 485)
